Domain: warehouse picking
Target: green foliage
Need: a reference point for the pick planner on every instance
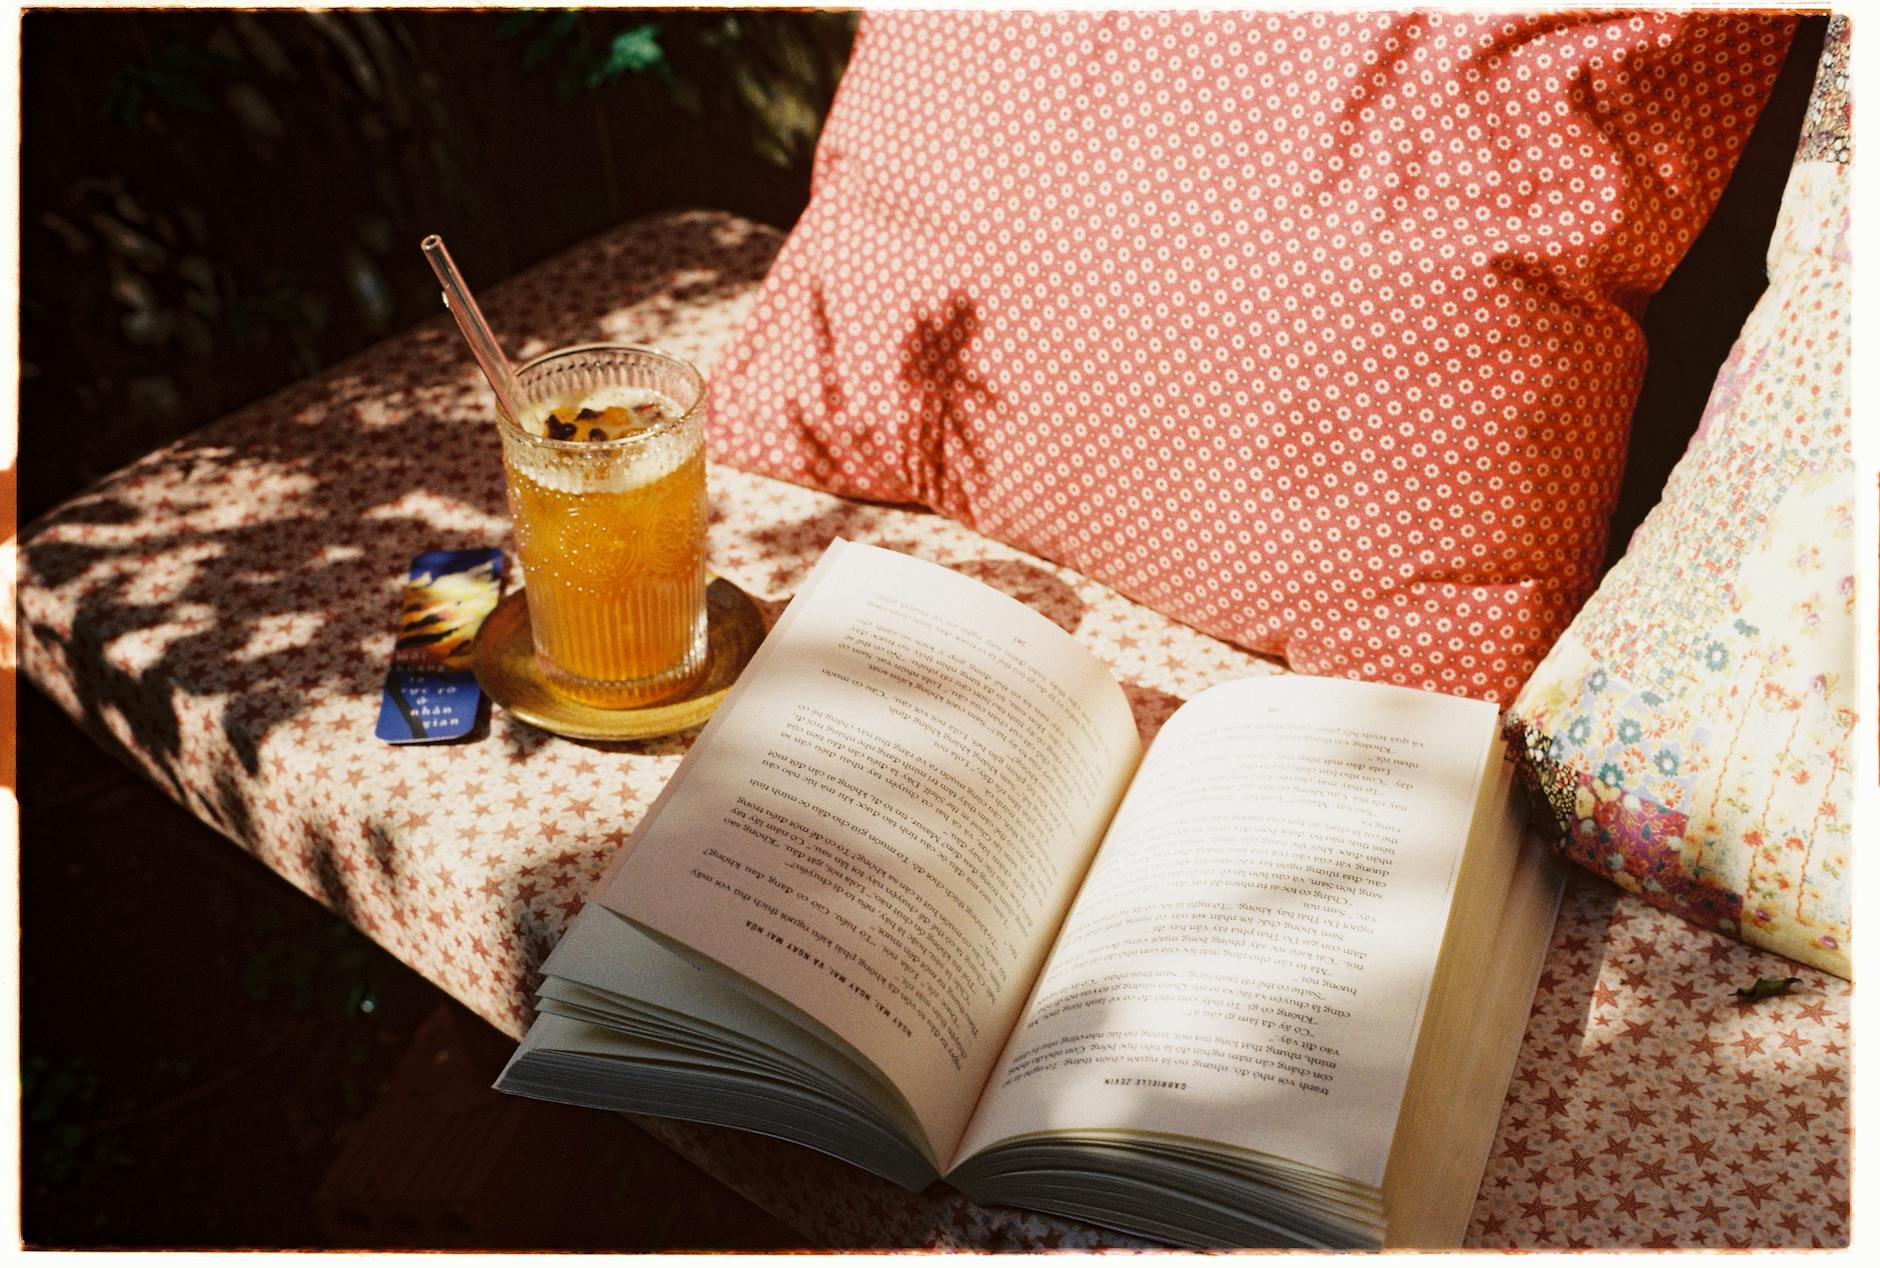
(775, 71)
(335, 975)
(590, 60)
(58, 1098)
(174, 77)
(632, 51)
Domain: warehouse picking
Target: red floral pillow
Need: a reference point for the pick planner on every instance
(1316, 331)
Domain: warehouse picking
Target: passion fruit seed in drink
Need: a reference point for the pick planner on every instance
(607, 413)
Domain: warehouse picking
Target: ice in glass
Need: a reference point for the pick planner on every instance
(607, 490)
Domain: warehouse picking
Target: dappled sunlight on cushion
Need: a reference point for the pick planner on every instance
(221, 614)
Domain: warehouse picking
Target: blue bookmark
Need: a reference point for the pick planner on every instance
(430, 692)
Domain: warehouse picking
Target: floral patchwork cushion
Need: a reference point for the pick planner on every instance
(1690, 731)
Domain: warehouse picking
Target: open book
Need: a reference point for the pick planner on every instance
(917, 898)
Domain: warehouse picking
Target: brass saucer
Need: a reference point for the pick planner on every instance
(506, 669)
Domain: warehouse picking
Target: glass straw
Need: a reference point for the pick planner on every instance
(476, 331)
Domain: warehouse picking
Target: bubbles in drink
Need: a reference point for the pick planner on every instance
(602, 413)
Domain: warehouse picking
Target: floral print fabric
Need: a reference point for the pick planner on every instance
(1690, 730)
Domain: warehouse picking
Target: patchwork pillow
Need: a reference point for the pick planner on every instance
(1315, 331)
(1690, 731)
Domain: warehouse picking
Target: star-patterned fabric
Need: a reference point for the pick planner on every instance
(1315, 330)
(221, 613)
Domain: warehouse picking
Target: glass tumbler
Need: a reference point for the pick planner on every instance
(612, 532)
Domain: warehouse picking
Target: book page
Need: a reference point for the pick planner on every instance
(883, 825)
(1248, 959)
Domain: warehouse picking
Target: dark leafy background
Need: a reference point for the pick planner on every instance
(214, 204)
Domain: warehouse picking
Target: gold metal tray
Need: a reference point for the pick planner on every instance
(505, 665)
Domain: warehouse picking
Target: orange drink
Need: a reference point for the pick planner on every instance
(607, 490)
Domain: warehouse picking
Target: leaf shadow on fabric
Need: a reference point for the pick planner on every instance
(946, 458)
(257, 565)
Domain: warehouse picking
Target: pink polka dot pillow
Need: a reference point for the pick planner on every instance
(1315, 331)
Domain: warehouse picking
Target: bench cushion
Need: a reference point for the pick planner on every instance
(221, 614)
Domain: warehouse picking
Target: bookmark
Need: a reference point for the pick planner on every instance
(430, 692)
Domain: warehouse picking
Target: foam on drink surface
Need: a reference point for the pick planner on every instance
(601, 414)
